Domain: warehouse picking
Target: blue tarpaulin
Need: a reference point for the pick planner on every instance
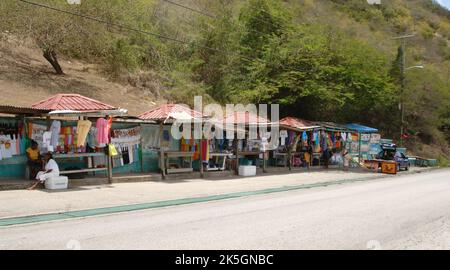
(361, 128)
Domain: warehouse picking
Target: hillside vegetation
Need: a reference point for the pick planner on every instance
(331, 60)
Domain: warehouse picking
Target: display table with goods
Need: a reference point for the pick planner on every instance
(77, 145)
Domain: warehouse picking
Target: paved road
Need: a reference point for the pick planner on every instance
(408, 212)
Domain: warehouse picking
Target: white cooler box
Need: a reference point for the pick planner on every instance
(247, 170)
(57, 182)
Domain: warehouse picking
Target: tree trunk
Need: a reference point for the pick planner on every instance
(50, 55)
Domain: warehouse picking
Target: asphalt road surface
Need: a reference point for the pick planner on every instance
(407, 212)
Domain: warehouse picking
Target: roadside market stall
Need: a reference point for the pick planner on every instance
(78, 130)
(14, 140)
(175, 156)
(338, 139)
(248, 151)
(297, 141)
(368, 143)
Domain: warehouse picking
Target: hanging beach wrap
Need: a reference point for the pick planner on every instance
(112, 151)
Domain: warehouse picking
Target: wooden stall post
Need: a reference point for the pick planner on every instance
(109, 164)
(161, 152)
(200, 149)
(110, 172)
(264, 162)
(289, 158)
(359, 147)
(236, 145)
(141, 153)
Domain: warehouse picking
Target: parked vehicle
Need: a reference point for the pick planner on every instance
(389, 152)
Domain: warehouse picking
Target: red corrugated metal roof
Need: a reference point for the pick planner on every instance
(74, 102)
(297, 123)
(11, 109)
(162, 112)
(245, 118)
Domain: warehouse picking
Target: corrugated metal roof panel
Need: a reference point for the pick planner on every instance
(245, 118)
(296, 122)
(10, 109)
(164, 111)
(74, 102)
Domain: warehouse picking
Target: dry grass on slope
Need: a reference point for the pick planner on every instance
(26, 77)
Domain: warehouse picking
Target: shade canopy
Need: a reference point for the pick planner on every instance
(361, 129)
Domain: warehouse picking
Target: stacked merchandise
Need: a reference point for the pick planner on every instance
(127, 143)
(375, 146)
(365, 146)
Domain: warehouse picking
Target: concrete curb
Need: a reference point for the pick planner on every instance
(159, 204)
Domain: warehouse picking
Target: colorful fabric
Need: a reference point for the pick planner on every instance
(205, 150)
(83, 128)
(304, 136)
(55, 130)
(102, 131)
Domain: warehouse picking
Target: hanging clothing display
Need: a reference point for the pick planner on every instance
(46, 142)
(55, 130)
(102, 131)
(35, 132)
(125, 155)
(205, 150)
(283, 136)
(92, 137)
(304, 136)
(6, 147)
(83, 127)
(127, 143)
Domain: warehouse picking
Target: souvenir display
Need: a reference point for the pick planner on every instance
(127, 143)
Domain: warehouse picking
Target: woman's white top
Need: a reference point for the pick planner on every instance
(52, 165)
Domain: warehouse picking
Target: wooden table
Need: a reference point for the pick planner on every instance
(281, 156)
(86, 157)
(166, 155)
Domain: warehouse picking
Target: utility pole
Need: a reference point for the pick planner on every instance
(402, 85)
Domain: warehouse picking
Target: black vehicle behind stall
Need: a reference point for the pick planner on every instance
(389, 152)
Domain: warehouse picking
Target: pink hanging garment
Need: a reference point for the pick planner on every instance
(102, 131)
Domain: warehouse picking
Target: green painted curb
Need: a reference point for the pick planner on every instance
(134, 207)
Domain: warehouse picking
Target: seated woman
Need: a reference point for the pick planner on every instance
(51, 170)
(34, 159)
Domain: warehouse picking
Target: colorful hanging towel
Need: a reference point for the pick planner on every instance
(205, 150)
(304, 136)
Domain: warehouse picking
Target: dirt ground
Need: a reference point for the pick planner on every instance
(26, 78)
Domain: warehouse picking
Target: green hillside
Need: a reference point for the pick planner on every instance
(331, 60)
